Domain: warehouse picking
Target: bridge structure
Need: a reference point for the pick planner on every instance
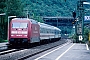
(64, 23)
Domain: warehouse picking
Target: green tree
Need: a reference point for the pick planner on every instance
(2, 19)
(14, 7)
(50, 7)
(2, 6)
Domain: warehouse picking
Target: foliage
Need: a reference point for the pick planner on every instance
(2, 6)
(39, 8)
(50, 8)
(86, 34)
(74, 37)
(14, 7)
(2, 40)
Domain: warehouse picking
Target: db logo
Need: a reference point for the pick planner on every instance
(35, 28)
(87, 17)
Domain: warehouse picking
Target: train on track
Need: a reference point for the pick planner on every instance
(27, 31)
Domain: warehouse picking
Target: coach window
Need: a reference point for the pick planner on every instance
(51, 31)
(55, 32)
(44, 30)
(47, 31)
(41, 30)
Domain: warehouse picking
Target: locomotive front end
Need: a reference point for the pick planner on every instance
(18, 32)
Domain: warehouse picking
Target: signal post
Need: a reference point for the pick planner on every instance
(80, 22)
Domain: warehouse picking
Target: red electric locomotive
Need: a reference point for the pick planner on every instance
(23, 30)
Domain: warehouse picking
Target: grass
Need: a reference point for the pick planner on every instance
(2, 40)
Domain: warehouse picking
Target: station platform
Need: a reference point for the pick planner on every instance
(70, 51)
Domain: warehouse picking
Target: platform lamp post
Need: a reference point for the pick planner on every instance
(8, 23)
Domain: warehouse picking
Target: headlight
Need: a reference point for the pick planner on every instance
(13, 32)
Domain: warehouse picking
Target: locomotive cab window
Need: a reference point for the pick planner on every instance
(23, 25)
(19, 25)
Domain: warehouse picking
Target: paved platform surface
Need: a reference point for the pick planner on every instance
(77, 52)
(71, 51)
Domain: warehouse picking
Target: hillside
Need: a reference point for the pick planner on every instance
(49, 7)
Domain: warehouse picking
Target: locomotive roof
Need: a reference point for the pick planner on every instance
(33, 21)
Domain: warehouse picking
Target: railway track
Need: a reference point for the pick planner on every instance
(3, 48)
(6, 50)
(30, 55)
(9, 51)
(21, 54)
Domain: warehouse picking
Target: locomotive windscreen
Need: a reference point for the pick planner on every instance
(19, 25)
